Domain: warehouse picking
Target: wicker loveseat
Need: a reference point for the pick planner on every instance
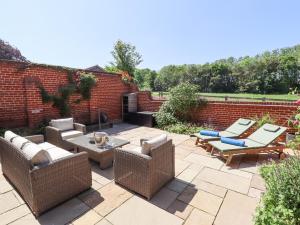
(45, 185)
(61, 129)
(145, 173)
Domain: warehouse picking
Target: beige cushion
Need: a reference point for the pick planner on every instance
(58, 153)
(137, 149)
(46, 145)
(63, 124)
(9, 135)
(153, 143)
(20, 142)
(36, 154)
(54, 152)
(70, 134)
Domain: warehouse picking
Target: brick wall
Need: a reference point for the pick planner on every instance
(221, 114)
(21, 103)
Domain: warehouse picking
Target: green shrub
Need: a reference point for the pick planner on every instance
(182, 128)
(280, 204)
(260, 121)
(165, 116)
(183, 99)
(86, 82)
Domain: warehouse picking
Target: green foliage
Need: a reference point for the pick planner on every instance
(145, 78)
(174, 114)
(183, 99)
(126, 58)
(271, 72)
(86, 82)
(295, 123)
(83, 85)
(182, 128)
(261, 120)
(280, 204)
(165, 116)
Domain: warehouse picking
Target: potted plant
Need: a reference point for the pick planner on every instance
(293, 122)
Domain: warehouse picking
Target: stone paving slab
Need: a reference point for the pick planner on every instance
(201, 200)
(14, 214)
(211, 162)
(226, 180)
(180, 209)
(199, 217)
(236, 209)
(139, 211)
(8, 201)
(208, 187)
(106, 199)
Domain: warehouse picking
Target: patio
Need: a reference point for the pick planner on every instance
(204, 192)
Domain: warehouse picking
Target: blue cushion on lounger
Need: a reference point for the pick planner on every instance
(209, 133)
(233, 141)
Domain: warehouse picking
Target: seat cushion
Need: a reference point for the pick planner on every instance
(54, 151)
(153, 143)
(70, 134)
(36, 154)
(9, 135)
(58, 153)
(20, 142)
(63, 124)
(46, 145)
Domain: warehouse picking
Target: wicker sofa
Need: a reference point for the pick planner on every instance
(145, 173)
(46, 185)
(61, 129)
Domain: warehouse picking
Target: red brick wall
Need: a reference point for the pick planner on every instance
(146, 103)
(221, 114)
(21, 103)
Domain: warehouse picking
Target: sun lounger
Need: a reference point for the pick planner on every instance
(238, 129)
(262, 140)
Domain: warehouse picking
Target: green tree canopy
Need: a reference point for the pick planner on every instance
(126, 58)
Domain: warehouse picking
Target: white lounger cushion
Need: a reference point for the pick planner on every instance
(70, 134)
(9, 135)
(20, 142)
(36, 154)
(153, 143)
(63, 124)
(54, 152)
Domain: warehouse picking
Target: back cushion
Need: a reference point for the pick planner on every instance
(63, 124)
(153, 143)
(9, 135)
(36, 154)
(20, 142)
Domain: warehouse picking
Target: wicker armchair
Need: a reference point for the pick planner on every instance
(54, 135)
(145, 174)
(46, 186)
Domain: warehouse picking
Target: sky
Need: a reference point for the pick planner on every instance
(81, 33)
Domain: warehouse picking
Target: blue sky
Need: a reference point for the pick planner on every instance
(81, 33)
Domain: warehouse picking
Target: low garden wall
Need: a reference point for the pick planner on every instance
(221, 114)
(21, 103)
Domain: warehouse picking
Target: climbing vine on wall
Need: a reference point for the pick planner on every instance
(82, 84)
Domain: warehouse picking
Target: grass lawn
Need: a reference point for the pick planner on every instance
(246, 96)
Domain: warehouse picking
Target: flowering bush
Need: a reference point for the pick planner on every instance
(294, 121)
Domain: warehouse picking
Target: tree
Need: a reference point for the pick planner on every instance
(126, 58)
(10, 53)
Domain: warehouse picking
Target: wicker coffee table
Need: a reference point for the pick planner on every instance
(104, 155)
